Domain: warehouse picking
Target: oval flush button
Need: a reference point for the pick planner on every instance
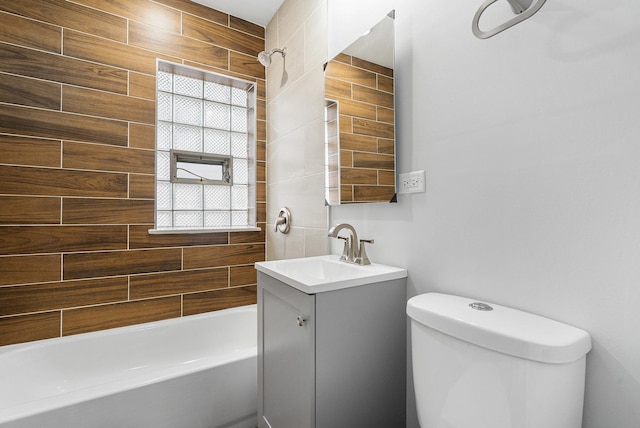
(480, 306)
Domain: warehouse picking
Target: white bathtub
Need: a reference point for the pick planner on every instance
(192, 372)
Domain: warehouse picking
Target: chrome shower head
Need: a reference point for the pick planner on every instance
(265, 58)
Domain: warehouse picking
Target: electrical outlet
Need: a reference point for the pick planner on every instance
(412, 182)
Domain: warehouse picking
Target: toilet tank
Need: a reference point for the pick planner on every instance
(488, 366)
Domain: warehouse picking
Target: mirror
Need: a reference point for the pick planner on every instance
(360, 120)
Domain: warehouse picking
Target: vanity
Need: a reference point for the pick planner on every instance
(331, 344)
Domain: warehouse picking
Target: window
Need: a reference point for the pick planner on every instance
(205, 151)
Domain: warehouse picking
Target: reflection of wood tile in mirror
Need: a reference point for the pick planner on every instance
(364, 95)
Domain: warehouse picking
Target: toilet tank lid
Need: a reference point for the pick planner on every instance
(501, 329)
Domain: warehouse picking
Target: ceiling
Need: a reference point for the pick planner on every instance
(257, 11)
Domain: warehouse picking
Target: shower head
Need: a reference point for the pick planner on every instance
(265, 57)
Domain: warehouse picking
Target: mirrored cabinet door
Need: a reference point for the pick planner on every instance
(360, 120)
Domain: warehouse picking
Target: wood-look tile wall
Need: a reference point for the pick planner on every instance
(365, 95)
(77, 139)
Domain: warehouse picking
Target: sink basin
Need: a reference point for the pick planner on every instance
(313, 275)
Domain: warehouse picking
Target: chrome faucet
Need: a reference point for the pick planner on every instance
(351, 252)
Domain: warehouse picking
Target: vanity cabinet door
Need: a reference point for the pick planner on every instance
(286, 356)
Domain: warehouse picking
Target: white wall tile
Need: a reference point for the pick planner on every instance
(295, 131)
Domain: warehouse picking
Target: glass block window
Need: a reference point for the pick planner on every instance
(205, 151)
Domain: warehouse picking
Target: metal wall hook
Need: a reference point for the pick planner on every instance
(523, 8)
(283, 221)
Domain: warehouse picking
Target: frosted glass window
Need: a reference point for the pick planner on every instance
(205, 150)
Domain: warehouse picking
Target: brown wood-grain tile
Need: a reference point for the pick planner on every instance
(22, 299)
(140, 10)
(110, 106)
(373, 193)
(261, 109)
(342, 57)
(83, 320)
(386, 146)
(29, 151)
(346, 193)
(30, 269)
(358, 109)
(348, 73)
(167, 284)
(223, 255)
(385, 83)
(29, 210)
(261, 212)
(373, 96)
(246, 64)
(142, 136)
(56, 239)
(29, 92)
(261, 89)
(56, 68)
(221, 35)
(261, 150)
(99, 157)
(373, 160)
(197, 10)
(107, 211)
(91, 48)
(60, 125)
(142, 186)
(116, 263)
(346, 124)
(139, 237)
(242, 275)
(358, 176)
(363, 143)
(71, 15)
(367, 65)
(386, 178)
(334, 88)
(246, 26)
(220, 299)
(346, 158)
(373, 128)
(142, 86)
(58, 182)
(156, 40)
(247, 237)
(385, 114)
(261, 171)
(261, 192)
(32, 34)
(26, 328)
(261, 130)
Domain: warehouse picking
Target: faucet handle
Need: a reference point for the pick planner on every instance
(362, 258)
(345, 250)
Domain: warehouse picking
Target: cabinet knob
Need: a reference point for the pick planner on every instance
(300, 320)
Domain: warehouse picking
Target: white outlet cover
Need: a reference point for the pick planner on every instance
(412, 182)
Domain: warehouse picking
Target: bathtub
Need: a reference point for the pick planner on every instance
(198, 371)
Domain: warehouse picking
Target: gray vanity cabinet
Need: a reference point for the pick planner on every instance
(335, 359)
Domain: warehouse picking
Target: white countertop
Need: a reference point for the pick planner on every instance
(319, 274)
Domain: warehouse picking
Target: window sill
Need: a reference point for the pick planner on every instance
(203, 230)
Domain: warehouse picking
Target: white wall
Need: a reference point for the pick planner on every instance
(295, 129)
(531, 143)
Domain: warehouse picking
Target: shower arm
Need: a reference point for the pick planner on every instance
(523, 8)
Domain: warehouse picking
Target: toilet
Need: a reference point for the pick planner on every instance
(479, 365)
